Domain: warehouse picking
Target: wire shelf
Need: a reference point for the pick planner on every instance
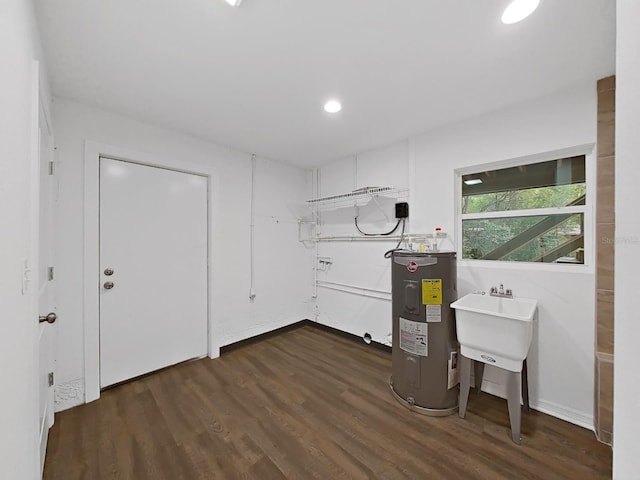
(355, 198)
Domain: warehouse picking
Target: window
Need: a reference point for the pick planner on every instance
(527, 213)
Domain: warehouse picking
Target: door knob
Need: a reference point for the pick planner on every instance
(108, 285)
(50, 318)
(108, 271)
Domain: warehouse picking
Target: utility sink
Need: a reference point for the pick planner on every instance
(495, 330)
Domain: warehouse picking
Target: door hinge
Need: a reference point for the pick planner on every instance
(51, 379)
(52, 168)
(50, 273)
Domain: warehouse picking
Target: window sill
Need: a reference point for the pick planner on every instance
(583, 269)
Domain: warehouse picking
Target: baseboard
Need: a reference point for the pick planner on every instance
(350, 336)
(302, 323)
(68, 394)
(564, 413)
(550, 408)
(263, 336)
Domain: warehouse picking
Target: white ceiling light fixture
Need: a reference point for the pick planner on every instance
(234, 3)
(473, 181)
(519, 10)
(332, 106)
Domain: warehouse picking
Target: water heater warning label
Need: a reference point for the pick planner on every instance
(434, 313)
(414, 337)
(432, 291)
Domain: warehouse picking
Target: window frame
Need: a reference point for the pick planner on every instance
(586, 210)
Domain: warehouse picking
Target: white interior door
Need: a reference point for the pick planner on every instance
(46, 292)
(153, 237)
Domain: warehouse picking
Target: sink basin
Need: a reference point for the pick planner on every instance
(495, 330)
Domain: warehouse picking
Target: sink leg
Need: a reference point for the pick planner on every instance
(478, 372)
(525, 387)
(513, 401)
(465, 384)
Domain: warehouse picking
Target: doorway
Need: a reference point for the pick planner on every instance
(153, 245)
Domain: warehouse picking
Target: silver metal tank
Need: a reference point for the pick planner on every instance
(425, 349)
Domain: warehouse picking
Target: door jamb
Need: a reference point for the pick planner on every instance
(91, 311)
(31, 267)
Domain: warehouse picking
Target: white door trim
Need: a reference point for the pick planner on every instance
(31, 271)
(92, 153)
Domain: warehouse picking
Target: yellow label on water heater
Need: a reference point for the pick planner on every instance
(432, 291)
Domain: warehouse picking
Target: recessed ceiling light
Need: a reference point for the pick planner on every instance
(519, 10)
(234, 3)
(332, 106)
(473, 181)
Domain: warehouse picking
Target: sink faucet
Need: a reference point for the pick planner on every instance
(501, 293)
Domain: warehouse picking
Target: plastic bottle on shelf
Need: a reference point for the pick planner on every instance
(436, 233)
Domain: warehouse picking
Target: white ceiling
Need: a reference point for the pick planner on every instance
(255, 78)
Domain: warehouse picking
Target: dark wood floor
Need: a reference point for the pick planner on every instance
(304, 404)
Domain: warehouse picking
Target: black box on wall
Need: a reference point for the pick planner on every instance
(402, 210)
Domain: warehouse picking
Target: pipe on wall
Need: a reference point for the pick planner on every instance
(354, 290)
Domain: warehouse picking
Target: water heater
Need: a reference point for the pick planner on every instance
(425, 349)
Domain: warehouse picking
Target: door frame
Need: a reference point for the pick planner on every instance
(91, 285)
(31, 267)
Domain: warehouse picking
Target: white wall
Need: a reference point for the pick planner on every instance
(19, 455)
(561, 361)
(359, 263)
(281, 283)
(626, 411)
